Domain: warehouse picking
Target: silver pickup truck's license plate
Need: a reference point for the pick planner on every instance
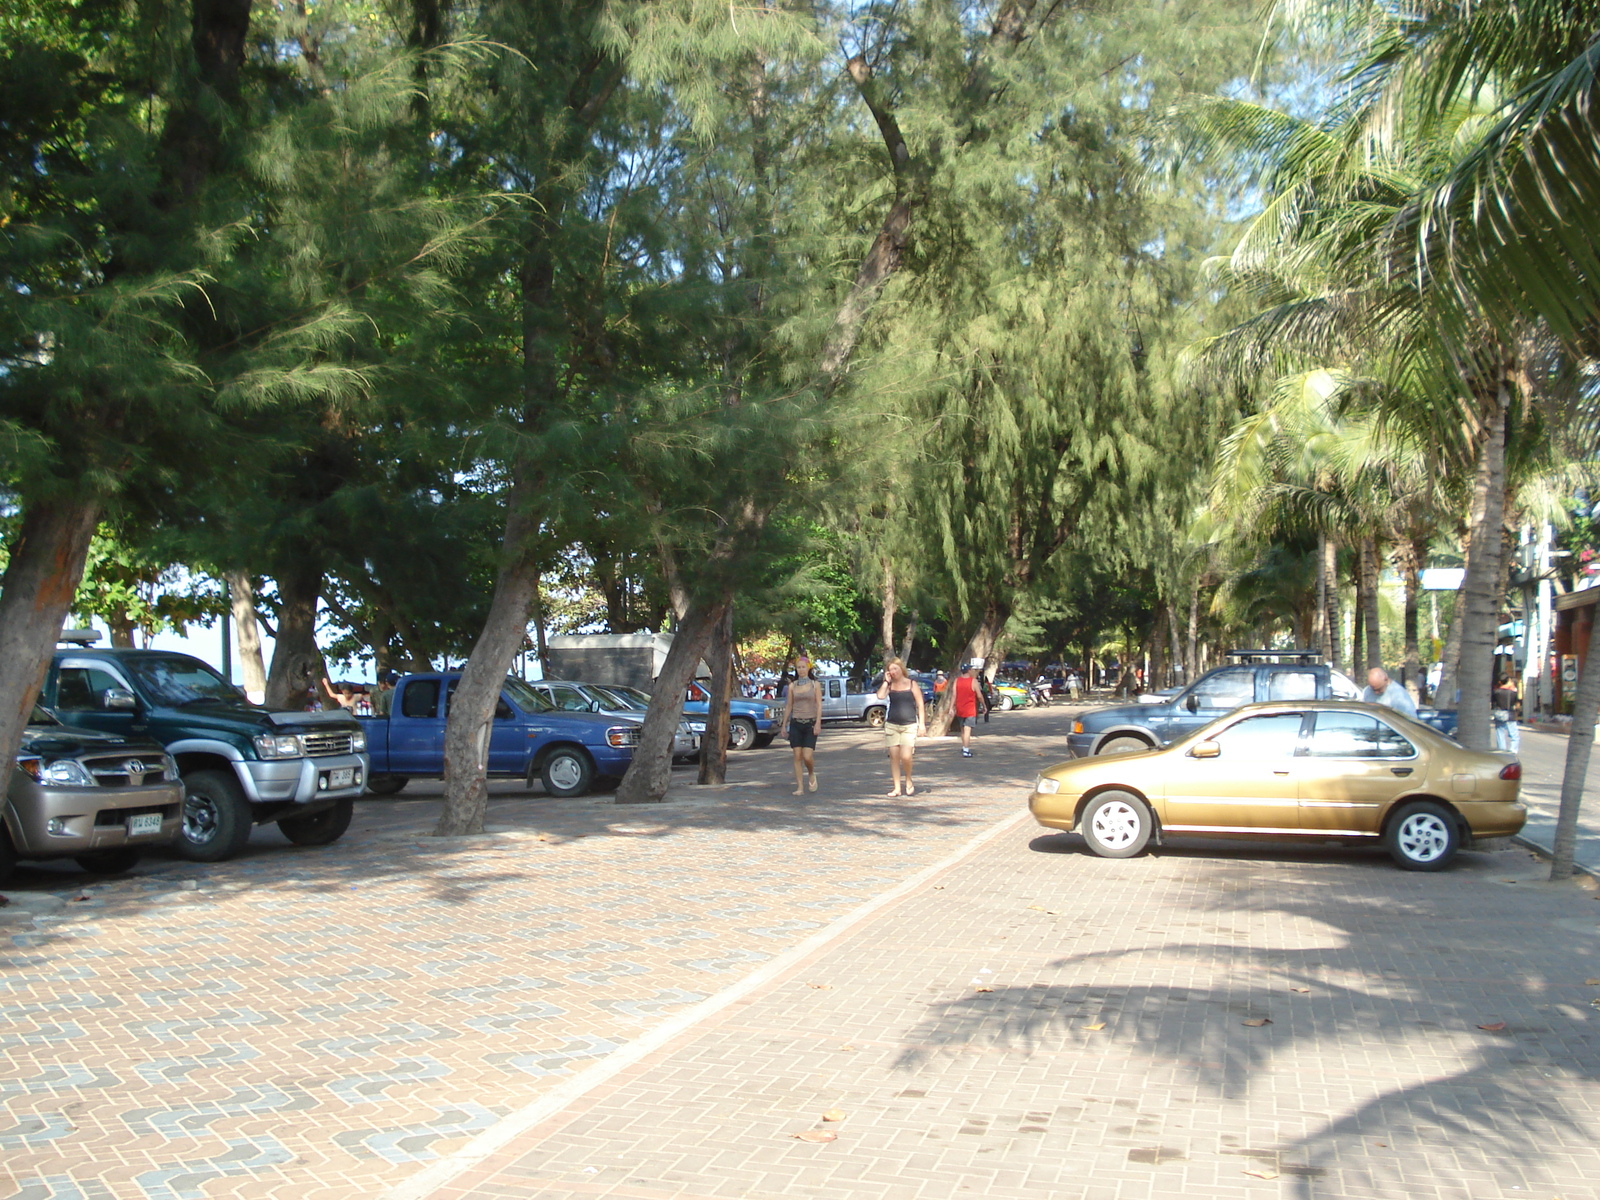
(144, 823)
(342, 777)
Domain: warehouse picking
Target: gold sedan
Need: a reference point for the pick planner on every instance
(1320, 769)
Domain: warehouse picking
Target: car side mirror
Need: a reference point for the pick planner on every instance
(1192, 703)
(1206, 750)
(118, 698)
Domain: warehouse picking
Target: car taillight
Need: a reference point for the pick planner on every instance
(1511, 771)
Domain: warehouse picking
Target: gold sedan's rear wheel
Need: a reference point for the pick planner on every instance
(1117, 825)
(1423, 836)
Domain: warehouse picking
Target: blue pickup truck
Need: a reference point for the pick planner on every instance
(531, 739)
(750, 722)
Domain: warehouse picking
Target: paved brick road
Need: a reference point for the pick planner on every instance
(326, 1023)
(1544, 761)
(316, 1023)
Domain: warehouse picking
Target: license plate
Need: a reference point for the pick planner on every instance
(342, 778)
(144, 823)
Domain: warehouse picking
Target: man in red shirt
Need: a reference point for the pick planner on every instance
(969, 704)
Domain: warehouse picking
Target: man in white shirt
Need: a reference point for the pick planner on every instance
(1383, 690)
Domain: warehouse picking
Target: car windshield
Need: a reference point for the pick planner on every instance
(526, 698)
(630, 699)
(178, 680)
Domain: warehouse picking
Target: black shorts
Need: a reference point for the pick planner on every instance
(803, 734)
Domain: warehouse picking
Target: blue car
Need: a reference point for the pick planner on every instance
(751, 722)
(531, 739)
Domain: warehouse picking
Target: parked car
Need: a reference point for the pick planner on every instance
(569, 752)
(241, 764)
(751, 723)
(1010, 695)
(1310, 769)
(622, 702)
(97, 798)
(1129, 728)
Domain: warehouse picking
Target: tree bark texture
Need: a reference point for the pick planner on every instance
(719, 658)
(1358, 626)
(1191, 652)
(297, 665)
(1158, 647)
(651, 770)
(1369, 602)
(1580, 745)
(471, 716)
(1332, 619)
(1480, 589)
(1408, 557)
(910, 637)
(890, 607)
(541, 647)
(36, 594)
(247, 633)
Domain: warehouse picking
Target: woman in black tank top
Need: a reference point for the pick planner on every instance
(904, 721)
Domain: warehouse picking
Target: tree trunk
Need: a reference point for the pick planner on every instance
(1191, 654)
(651, 770)
(910, 637)
(1446, 694)
(1369, 602)
(1580, 744)
(1480, 589)
(1332, 619)
(36, 594)
(541, 647)
(471, 717)
(1408, 555)
(890, 607)
(719, 657)
(980, 645)
(247, 634)
(297, 667)
(1358, 626)
(1158, 648)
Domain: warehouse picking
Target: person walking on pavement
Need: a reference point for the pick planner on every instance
(802, 718)
(1383, 690)
(969, 703)
(905, 720)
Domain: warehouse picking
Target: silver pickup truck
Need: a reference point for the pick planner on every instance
(850, 700)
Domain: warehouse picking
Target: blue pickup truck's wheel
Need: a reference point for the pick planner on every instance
(741, 733)
(1124, 745)
(320, 828)
(567, 772)
(216, 818)
(387, 785)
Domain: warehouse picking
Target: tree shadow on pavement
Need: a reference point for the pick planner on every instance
(1412, 969)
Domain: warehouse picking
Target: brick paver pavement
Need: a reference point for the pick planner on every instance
(318, 1023)
(1209, 1021)
(1544, 762)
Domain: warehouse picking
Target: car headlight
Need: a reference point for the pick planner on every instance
(279, 745)
(1046, 786)
(358, 741)
(66, 773)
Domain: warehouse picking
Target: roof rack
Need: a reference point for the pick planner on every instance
(79, 637)
(1293, 656)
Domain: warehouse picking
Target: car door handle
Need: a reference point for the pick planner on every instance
(1399, 770)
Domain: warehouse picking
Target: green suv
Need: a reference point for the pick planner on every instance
(241, 764)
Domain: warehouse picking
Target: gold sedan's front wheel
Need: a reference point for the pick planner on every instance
(1117, 825)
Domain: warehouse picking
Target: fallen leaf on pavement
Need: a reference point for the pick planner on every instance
(1299, 989)
(821, 987)
(1257, 1022)
(1262, 1172)
(847, 1047)
(833, 1114)
(984, 989)
(815, 1135)
(1096, 1026)
(1497, 1027)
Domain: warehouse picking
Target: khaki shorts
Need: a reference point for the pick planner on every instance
(900, 735)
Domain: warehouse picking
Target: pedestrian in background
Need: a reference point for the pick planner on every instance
(969, 703)
(802, 718)
(904, 721)
(1383, 690)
